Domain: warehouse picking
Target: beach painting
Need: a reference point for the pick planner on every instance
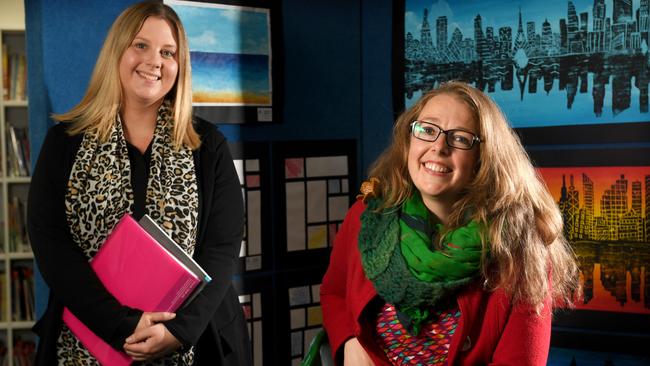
(230, 51)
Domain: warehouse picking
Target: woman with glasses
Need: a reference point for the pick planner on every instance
(454, 254)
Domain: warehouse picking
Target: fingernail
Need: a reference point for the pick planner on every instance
(129, 340)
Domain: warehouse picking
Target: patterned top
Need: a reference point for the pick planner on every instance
(430, 347)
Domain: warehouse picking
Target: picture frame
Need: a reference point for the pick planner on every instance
(253, 167)
(589, 97)
(315, 183)
(613, 314)
(299, 314)
(235, 53)
(258, 300)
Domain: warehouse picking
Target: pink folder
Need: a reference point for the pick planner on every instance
(141, 274)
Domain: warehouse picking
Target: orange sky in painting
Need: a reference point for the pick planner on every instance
(603, 178)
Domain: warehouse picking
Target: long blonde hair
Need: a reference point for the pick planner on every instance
(524, 235)
(101, 103)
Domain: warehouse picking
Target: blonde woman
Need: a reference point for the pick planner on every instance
(131, 146)
(455, 254)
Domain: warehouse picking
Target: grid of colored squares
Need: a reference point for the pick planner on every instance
(252, 306)
(306, 319)
(317, 200)
(248, 171)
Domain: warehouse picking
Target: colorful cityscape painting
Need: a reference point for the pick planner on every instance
(584, 61)
(605, 211)
(230, 51)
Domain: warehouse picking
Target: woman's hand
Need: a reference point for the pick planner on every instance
(151, 339)
(354, 354)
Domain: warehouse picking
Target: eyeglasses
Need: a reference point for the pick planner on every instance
(458, 139)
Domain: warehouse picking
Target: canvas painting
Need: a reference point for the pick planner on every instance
(605, 212)
(230, 53)
(545, 62)
(234, 70)
(314, 188)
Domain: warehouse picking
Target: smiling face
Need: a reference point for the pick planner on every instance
(148, 67)
(438, 171)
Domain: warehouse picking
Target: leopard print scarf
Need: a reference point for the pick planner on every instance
(100, 193)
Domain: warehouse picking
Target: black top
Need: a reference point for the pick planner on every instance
(73, 283)
(139, 178)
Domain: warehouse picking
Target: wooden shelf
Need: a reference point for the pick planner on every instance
(21, 324)
(17, 180)
(14, 103)
(20, 255)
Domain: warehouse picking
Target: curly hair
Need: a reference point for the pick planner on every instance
(529, 257)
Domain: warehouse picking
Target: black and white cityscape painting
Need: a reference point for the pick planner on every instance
(545, 62)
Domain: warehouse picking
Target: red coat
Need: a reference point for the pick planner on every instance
(490, 331)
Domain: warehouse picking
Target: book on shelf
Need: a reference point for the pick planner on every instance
(143, 268)
(15, 308)
(5, 72)
(24, 352)
(3, 352)
(27, 296)
(18, 162)
(22, 293)
(3, 303)
(23, 282)
(21, 79)
(14, 75)
(18, 240)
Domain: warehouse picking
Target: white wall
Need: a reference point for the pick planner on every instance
(12, 14)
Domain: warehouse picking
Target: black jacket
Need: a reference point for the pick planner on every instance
(213, 322)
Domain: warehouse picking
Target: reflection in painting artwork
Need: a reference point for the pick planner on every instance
(584, 61)
(605, 211)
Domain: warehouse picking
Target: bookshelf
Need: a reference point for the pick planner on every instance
(17, 343)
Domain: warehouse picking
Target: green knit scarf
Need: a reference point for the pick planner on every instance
(414, 275)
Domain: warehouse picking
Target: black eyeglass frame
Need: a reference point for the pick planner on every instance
(475, 139)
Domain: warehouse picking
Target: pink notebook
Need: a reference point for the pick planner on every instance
(140, 273)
